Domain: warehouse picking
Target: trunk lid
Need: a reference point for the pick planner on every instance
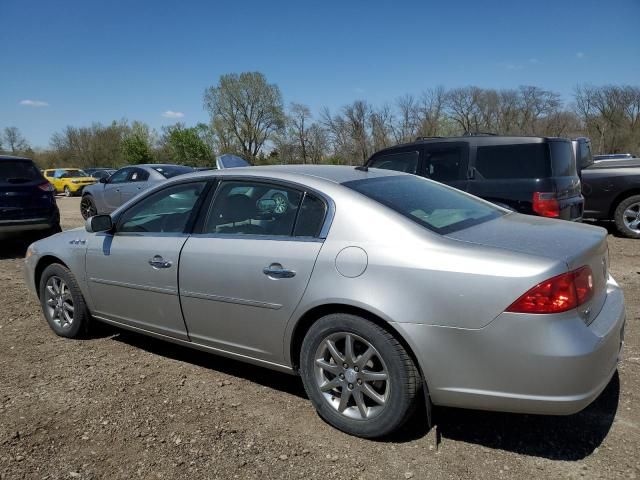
(575, 244)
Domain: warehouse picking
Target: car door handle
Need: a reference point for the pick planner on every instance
(275, 270)
(159, 262)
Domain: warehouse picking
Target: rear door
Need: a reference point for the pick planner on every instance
(447, 163)
(243, 275)
(133, 272)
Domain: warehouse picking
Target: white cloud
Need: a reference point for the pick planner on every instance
(172, 114)
(34, 103)
(580, 55)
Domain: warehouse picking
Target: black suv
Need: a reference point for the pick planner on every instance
(27, 202)
(532, 175)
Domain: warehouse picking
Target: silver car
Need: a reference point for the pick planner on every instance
(376, 287)
(114, 190)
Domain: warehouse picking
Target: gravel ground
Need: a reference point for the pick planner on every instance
(120, 405)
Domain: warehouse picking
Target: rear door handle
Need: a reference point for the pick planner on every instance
(159, 262)
(275, 270)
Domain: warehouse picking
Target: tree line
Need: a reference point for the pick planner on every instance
(248, 117)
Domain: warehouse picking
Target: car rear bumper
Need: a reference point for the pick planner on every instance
(545, 364)
(36, 219)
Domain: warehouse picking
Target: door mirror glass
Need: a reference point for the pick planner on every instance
(103, 179)
(99, 223)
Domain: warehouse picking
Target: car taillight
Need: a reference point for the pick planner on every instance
(558, 294)
(546, 204)
(46, 187)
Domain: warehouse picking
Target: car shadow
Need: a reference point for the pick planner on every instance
(569, 438)
(11, 249)
(269, 378)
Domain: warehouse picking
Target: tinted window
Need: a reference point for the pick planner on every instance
(562, 159)
(400, 162)
(437, 207)
(311, 217)
(139, 175)
(18, 171)
(586, 158)
(530, 160)
(445, 164)
(73, 174)
(166, 211)
(169, 171)
(253, 208)
(120, 176)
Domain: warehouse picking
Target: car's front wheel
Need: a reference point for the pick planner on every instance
(88, 207)
(358, 376)
(627, 217)
(62, 302)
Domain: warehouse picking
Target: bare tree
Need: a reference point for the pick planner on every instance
(14, 140)
(317, 143)
(246, 107)
(299, 116)
(431, 111)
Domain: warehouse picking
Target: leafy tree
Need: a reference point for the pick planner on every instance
(187, 146)
(136, 146)
(247, 109)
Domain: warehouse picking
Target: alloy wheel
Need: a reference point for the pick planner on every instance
(631, 217)
(59, 302)
(87, 209)
(352, 376)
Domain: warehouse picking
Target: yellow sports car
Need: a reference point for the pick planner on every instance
(69, 181)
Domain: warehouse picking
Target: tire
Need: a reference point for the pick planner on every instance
(627, 217)
(326, 381)
(87, 207)
(58, 289)
(67, 192)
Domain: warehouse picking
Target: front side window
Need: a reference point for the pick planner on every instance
(406, 162)
(120, 176)
(527, 160)
(139, 175)
(165, 211)
(432, 205)
(253, 208)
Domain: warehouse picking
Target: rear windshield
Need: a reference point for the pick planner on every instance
(18, 171)
(527, 160)
(432, 205)
(169, 171)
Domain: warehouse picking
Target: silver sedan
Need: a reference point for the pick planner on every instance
(376, 287)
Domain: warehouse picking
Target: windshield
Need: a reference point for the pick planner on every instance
(18, 171)
(73, 174)
(169, 171)
(432, 205)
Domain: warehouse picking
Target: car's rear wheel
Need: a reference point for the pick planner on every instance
(62, 302)
(88, 207)
(627, 217)
(358, 376)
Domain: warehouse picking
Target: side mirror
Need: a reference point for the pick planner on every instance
(99, 223)
(104, 180)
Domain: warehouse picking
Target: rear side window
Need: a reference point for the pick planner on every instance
(444, 165)
(170, 171)
(529, 160)
(430, 204)
(18, 171)
(562, 159)
(400, 162)
(310, 217)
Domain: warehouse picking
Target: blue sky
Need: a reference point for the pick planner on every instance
(104, 60)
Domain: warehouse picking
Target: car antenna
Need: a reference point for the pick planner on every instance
(363, 168)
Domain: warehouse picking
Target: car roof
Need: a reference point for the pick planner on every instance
(303, 173)
(12, 157)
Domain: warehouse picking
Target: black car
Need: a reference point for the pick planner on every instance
(532, 175)
(27, 203)
(611, 191)
(100, 173)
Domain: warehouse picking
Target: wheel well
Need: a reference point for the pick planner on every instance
(310, 317)
(43, 263)
(620, 198)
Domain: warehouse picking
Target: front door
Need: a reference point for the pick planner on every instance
(242, 277)
(112, 189)
(133, 272)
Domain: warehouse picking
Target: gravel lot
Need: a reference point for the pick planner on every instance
(120, 405)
